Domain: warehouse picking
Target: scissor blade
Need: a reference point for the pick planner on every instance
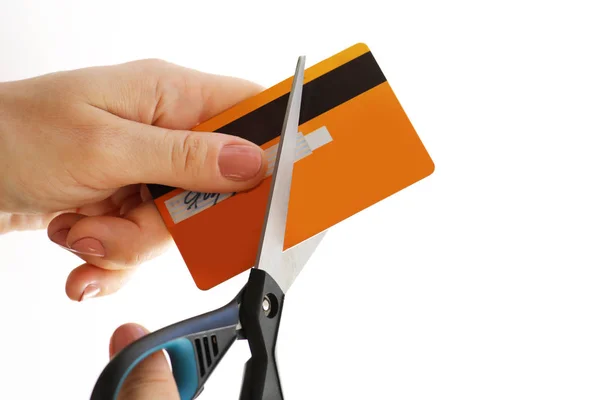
(270, 250)
(295, 259)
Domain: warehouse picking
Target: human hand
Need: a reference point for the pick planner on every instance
(152, 377)
(75, 146)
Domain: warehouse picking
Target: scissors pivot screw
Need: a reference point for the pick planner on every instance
(270, 305)
(266, 305)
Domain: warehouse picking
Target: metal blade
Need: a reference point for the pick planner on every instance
(295, 259)
(270, 250)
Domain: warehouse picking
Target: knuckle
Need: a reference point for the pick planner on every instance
(133, 259)
(135, 254)
(190, 157)
(152, 63)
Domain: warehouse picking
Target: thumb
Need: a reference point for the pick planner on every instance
(150, 379)
(196, 161)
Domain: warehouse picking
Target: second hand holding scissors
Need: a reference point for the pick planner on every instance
(196, 345)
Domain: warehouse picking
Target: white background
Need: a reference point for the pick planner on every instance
(479, 282)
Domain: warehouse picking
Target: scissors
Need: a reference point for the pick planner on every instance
(197, 345)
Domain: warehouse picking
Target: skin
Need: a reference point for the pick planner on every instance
(74, 147)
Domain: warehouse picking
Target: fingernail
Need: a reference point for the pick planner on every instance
(240, 162)
(60, 238)
(89, 292)
(125, 335)
(88, 246)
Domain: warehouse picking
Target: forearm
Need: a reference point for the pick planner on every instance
(3, 156)
(8, 151)
(8, 220)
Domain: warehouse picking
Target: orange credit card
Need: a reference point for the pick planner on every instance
(356, 146)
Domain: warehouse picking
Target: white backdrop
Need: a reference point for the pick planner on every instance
(480, 282)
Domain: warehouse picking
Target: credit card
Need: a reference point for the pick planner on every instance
(355, 147)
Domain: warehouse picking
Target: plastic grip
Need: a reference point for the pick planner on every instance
(192, 363)
(261, 377)
(183, 361)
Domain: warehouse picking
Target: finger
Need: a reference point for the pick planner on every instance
(197, 161)
(151, 378)
(88, 281)
(145, 193)
(155, 92)
(113, 242)
(130, 203)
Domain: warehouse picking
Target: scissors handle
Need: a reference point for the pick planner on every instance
(195, 347)
(260, 315)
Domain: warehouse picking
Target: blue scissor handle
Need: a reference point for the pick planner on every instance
(195, 347)
(183, 361)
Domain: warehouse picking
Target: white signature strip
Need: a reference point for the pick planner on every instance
(188, 204)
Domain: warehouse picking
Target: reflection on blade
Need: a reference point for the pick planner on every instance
(296, 258)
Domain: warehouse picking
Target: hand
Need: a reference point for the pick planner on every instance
(75, 146)
(151, 378)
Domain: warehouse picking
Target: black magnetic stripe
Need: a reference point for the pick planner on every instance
(318, 96)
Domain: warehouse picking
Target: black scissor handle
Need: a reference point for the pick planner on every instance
(195, 347)
(260, 315)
